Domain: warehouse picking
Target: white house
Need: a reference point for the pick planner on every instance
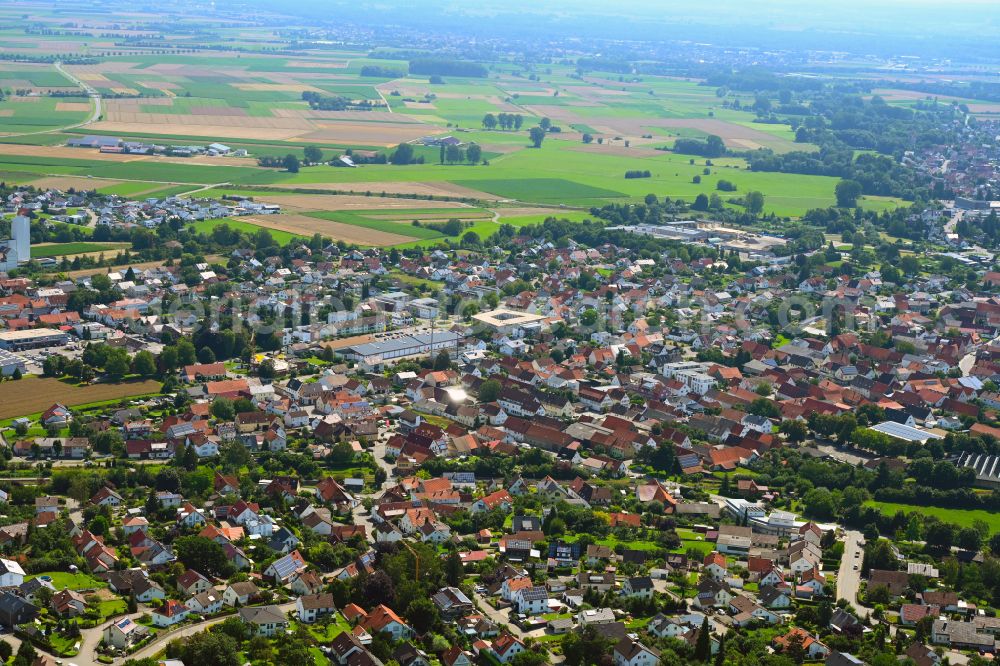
(264, 620)
(532, 601)
(630, 652)
(638, 587)
(311, 607)
(123, 633)
(11, 573)
(240, 593)
(205, 603)
(171, 613)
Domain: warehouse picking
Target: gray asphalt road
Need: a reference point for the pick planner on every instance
(849, 576)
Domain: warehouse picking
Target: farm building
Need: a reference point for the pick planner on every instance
(93, 141)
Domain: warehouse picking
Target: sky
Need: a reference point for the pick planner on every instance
(931, 27)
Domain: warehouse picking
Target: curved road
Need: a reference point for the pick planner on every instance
(92, 94)
(189, 630)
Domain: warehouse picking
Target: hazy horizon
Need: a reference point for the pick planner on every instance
(926, 28)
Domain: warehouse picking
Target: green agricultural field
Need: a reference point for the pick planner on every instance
(35, 114)
(486, 228)
(47, 139)
(561, 173)
(257, 147)
(264, 87)
(172, 172)
(389, 226)
(63, 249)
(545, 190)
(425, 213)
(131, 189)
(206, 226)
(35, 76)
(171, 191)
(961, 517)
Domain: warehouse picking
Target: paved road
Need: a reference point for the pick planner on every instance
(849, 576)
(956, 217)
(362, 517)
(188, 630)
(91, 92)
(378, 451)
(63, 462)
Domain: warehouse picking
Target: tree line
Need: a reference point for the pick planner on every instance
(505, 121)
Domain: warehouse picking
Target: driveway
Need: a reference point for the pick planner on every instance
(500, 617)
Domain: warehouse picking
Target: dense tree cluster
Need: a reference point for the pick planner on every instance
(447, 67)
(711, 146)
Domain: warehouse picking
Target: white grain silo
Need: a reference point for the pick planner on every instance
(20, 232)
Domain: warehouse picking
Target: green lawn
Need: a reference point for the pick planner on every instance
(960, 517)
(703, 547)
(416, 281)
(77, 581)
(324, 633)
(63, 645)
(112, 607)
(612, 541)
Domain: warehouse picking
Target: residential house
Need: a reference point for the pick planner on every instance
(311, 607)
(264, 620)
(630, 652)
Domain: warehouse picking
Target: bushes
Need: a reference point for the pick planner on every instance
(637, 174)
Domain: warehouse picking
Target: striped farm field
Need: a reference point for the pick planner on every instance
(36, 394)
